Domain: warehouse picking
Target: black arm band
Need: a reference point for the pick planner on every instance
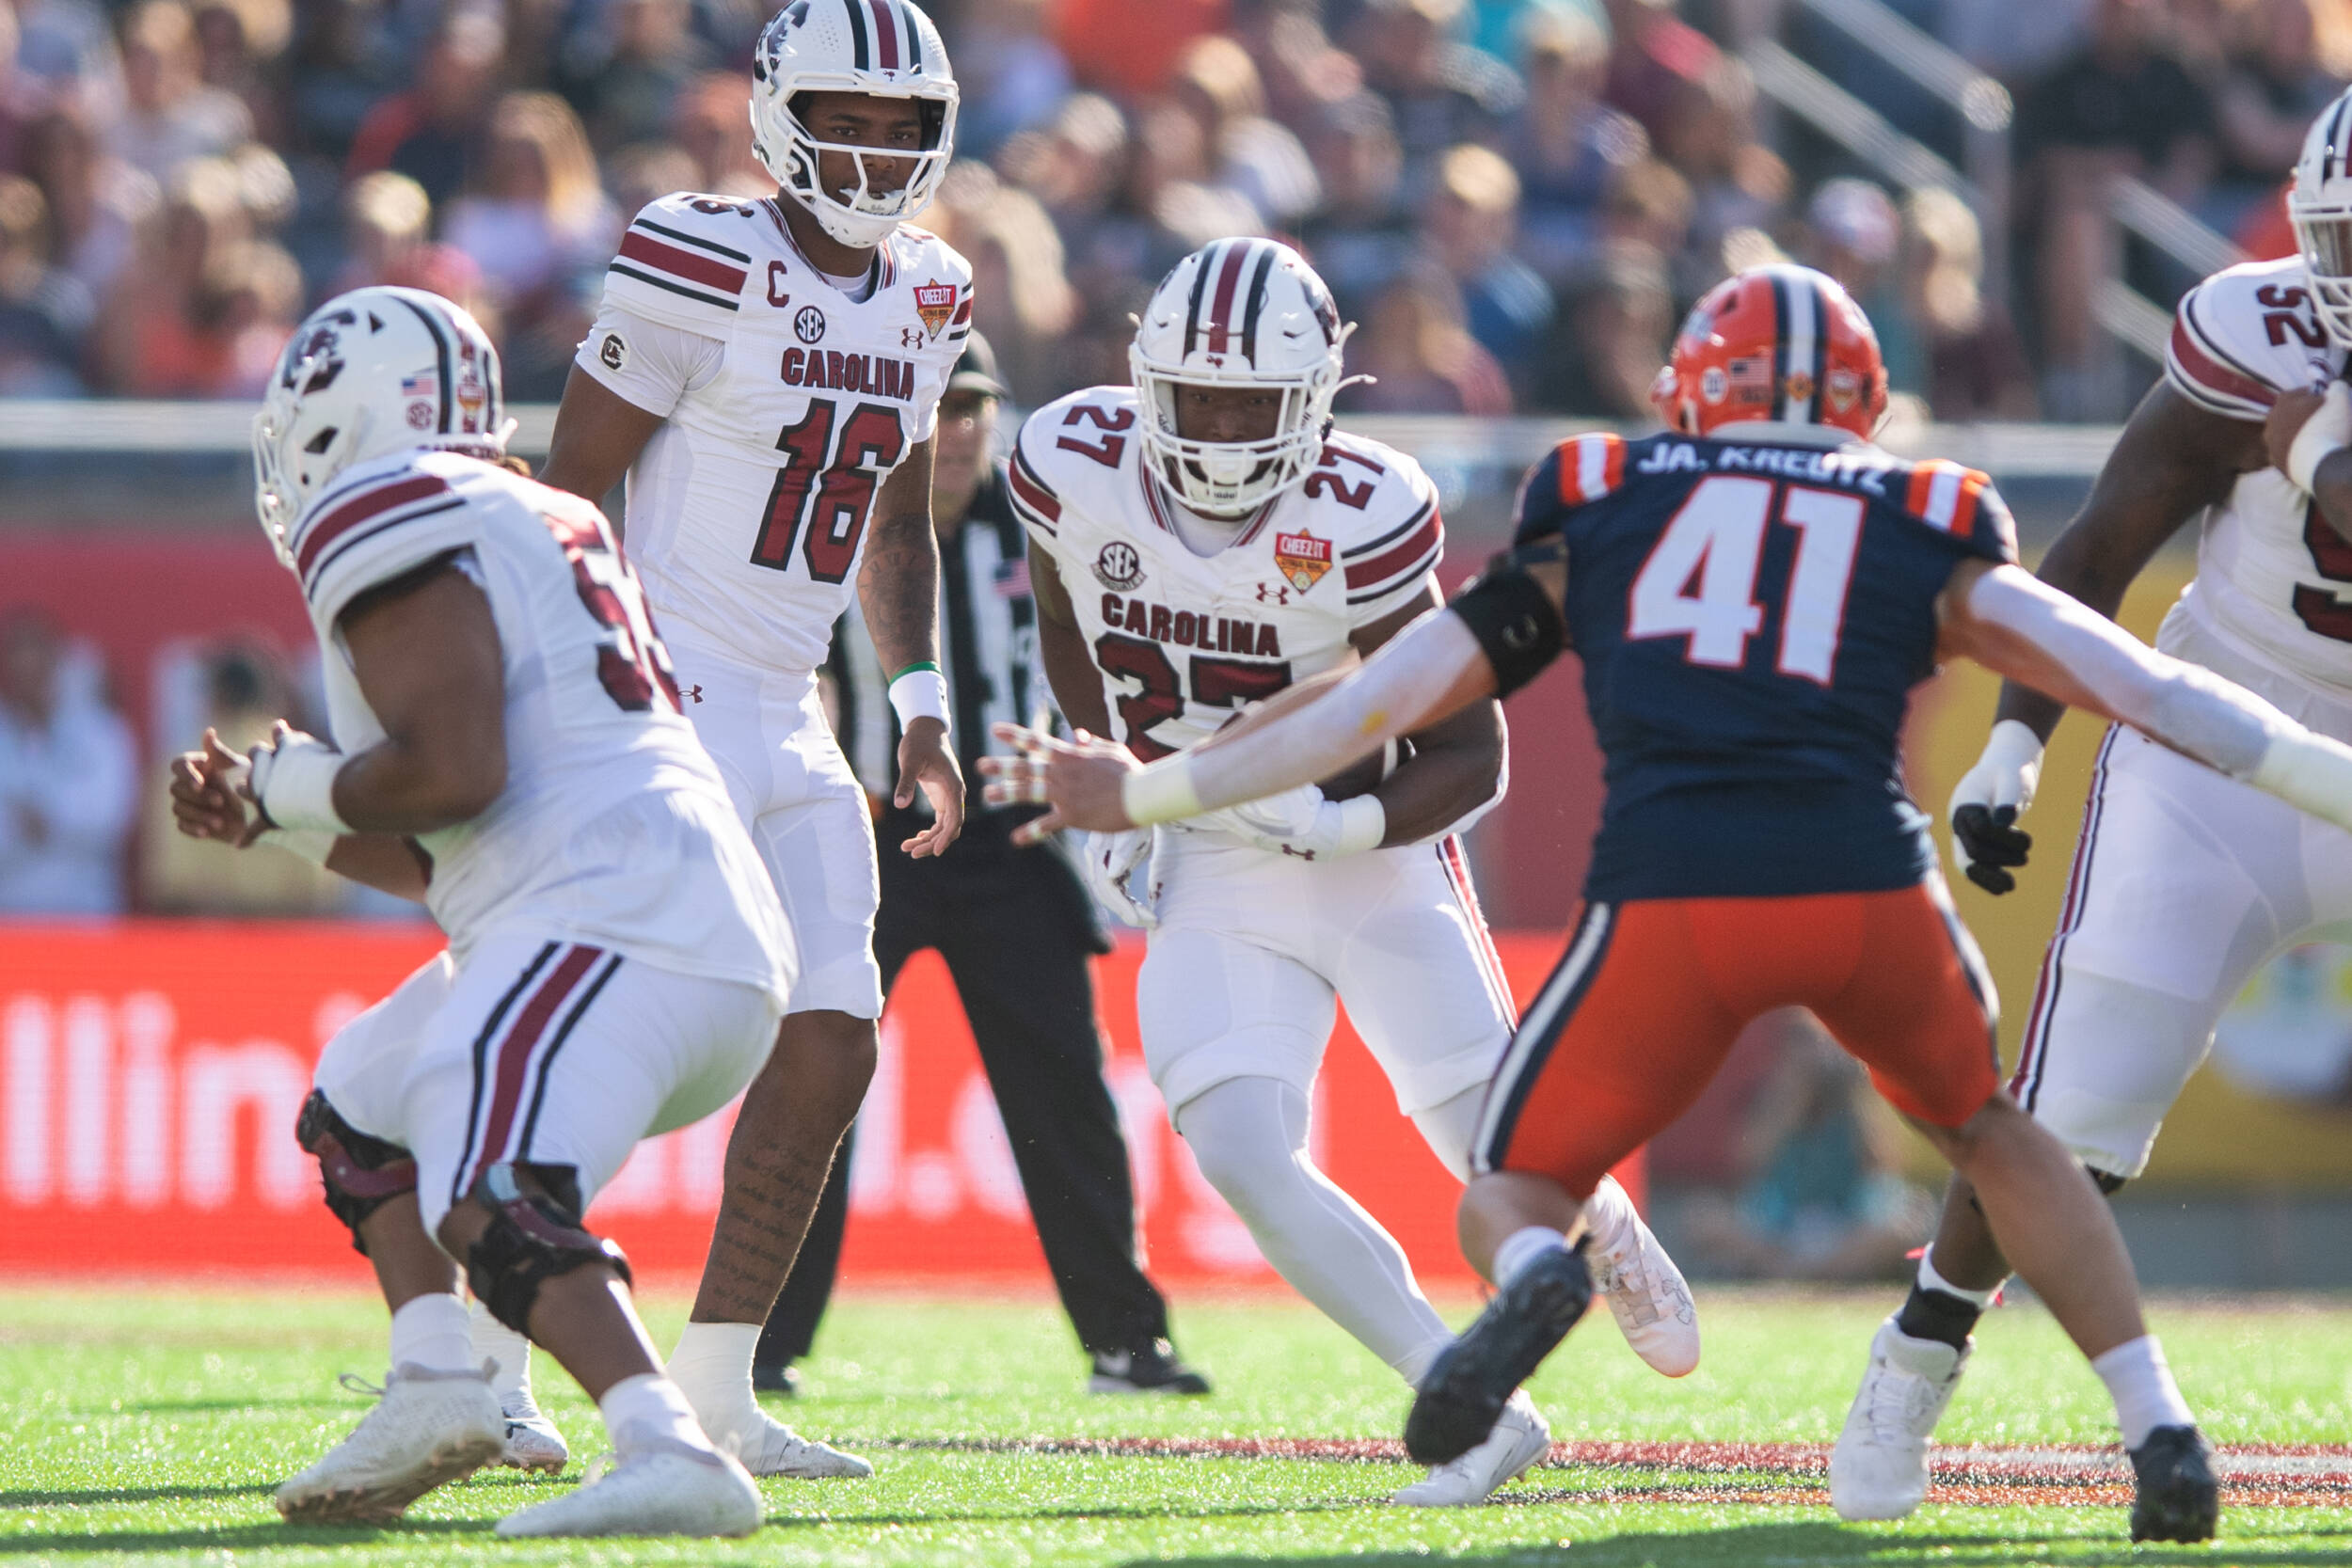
(1512, 618)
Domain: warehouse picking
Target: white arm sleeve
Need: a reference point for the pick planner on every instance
(2186, 707)
(649, 363)
(1397, 690)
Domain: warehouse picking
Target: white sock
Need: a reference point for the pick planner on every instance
(1931, 1280)
(1249, 1136)
(430, 1332)
(2145, 1394)
(712, 1366)
(508, 1352)
(1522, 1247)
(648, 1406)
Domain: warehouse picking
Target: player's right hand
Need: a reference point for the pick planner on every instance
(1118, 873)
(1990, 796)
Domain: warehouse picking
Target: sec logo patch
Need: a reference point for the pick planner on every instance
(809, 324)
(1119, 568)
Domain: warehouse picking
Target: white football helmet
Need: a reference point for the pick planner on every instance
(1239, 312)
(2320, 206)
(881, 48)
(370, 373)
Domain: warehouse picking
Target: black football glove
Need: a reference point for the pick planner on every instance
(1995, 845)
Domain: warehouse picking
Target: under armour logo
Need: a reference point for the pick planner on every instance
(695, 693)
(1274, 593)
(910, 337)
(1302, 854)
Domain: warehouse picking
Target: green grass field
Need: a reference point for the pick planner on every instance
(152, 1423)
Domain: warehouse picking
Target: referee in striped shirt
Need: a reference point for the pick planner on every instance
(1016, 928)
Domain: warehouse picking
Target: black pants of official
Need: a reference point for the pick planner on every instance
(1016, 930)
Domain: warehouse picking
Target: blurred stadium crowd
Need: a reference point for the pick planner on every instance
(1516, 198)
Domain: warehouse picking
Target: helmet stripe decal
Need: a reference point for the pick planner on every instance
(913, 34)
(1192, 308)
(2332, 164)
(1794, 343)
(1220, 327)
(1821, 351)
(861, 55)
(1257, 297)
(441, 351)
(885, 34)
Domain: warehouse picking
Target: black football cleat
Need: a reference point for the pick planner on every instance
(775, 1380)
(2179, 1500)
(1462, 1395)
(1152, 1369)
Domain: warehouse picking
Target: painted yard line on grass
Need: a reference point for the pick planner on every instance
(2252, 1475)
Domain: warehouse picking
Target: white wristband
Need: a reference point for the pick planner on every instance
(1363, 823)
(920, 692)
(295, 785)
(1160, 793)
(312, 847)
(2325, 433)
(2309, 772)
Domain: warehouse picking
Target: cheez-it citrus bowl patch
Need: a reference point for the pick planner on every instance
(1302, 558)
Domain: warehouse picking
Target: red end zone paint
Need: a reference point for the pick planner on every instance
(1778, 1474)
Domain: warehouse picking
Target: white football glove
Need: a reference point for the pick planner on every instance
(1118, 869)
(1299, 822)
(1990, 796)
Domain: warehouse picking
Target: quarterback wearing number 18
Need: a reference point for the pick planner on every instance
(767, 374)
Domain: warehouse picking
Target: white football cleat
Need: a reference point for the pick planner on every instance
(1647, 1294)
(534, 1443)
(1520, 1438)
(1879, 1469)
(769, 1448)
(427, 1428)
(657, 1486)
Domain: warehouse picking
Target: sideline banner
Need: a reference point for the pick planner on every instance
(150, 1073)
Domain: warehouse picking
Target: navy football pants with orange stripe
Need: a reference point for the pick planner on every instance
(1641, 1013)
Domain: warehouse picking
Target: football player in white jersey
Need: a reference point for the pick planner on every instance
(1198, 543)
(2185, 883)
(767, 374)
(506, 747)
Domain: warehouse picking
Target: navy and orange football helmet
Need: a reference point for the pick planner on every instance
(1782, 342)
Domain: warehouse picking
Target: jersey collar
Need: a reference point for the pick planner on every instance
(1787, 433)
(1162, 506)
(879, 272)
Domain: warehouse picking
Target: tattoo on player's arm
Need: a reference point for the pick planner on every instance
(897, 587)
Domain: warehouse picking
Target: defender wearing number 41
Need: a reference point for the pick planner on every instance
(1752, 594)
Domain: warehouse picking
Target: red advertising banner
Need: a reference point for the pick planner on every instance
(150, 1073)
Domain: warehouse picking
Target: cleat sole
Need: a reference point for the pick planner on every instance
(386, 1499)
(1463, 1395)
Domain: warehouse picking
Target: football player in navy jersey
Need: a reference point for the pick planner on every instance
(1752, 594)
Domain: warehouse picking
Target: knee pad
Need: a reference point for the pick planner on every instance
(530, 1240)
(360, 1173)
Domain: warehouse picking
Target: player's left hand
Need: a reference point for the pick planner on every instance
(1081, 780)
(926, 761)
(208, 798)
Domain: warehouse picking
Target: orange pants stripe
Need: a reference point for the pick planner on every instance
(1642, 1011)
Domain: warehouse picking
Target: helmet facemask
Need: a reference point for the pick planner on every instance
(1231, 479)
(2323, 231)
